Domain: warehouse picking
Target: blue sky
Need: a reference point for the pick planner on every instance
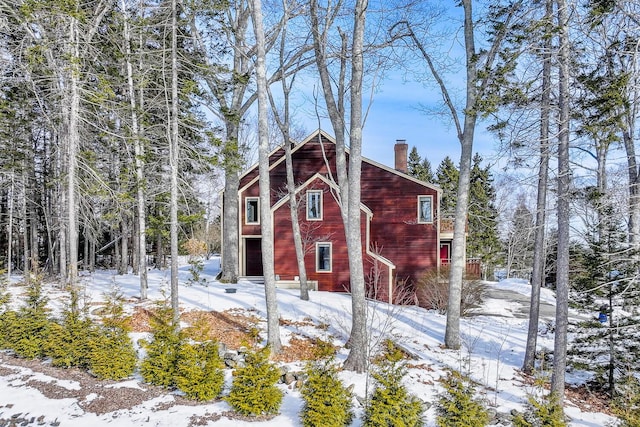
(397, 112)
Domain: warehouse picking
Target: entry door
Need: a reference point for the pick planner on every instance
(253, 257)
(445, 253)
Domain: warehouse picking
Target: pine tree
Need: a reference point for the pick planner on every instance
(199, 372)
(159, 367)
(626, 403)
(545, 411)
(28, 330)
(327, 402)
(112, 355)
(419, 168)
(607, 343)
(69, 338)
(447, 179)
(483, 241)
(390, 404)
(254, 390)
(457, 406)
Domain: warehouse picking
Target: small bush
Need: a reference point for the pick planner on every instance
(68, 339)
(199, 372)
(159, 365)
(626, 403)
(27, 330)
(457, 405)
(112, 355)
(544, 411)
(254, 390)
(327, 402)
(432, 291)
(391, 404)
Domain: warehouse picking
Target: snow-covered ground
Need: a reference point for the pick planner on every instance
(492, 353)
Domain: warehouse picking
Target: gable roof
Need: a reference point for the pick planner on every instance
(322, 135)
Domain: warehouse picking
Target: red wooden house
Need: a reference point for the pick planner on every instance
(400, 223)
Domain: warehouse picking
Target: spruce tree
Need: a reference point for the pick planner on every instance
(254, 391)
(27, 331)
(159, 367)
(111, 351)
(447, 179)
(457, 405)
(69, 337)
(483, 241)
(419, 168)
(545, 411)
(199, 372)
(327, 402)
(390, 404)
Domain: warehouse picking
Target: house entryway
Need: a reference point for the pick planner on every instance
(253, 257)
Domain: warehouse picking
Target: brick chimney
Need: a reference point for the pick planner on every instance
(401, 149)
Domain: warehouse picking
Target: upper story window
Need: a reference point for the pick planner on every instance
(425, 209)
(314, 205)
(323, 257)
(252, 210)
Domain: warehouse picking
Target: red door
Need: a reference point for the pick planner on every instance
(445, 253)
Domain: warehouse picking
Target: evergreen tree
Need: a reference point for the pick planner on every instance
(607, 343)
(483, 241)
(419, 168)
(112, 355)
(327, 402)
(159, 367)
(541, 412)
(254, 390)
(520, 240)
(390, 404)
(27, 330)
(457, 405)
(199, 372)
(447, 180)
(69, 339)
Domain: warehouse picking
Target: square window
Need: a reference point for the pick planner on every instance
(252, 212)
(323, 257)
(314, 205)
(425, 209)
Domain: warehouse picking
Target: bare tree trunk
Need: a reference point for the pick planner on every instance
(358, 356)
(537, 276)
(72, 150)
(141, 241)
(10, 229)
(173, 162)
(456, 272)
(564, 214)
(266, 226)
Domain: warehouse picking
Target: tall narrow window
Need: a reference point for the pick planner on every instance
(252, 212)
(323, 257)
(314, 205)
(425, 209)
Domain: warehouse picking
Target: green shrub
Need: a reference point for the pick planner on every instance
(199, 372)
(254, 390)
(112, 355)
(544, 411)
(626, 403)
(159, 365)
(68, 340)
(457, 405)
(327, 402)
(390, 404)
(28, 329)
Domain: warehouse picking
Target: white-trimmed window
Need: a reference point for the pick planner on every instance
(425, 209)
(252, 210)
(314, 205)
(323, 257)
